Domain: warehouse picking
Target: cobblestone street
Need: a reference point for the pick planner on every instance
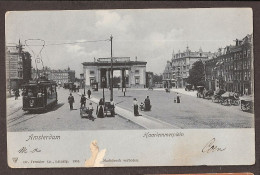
(192, 112)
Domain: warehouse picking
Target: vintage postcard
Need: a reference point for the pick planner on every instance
(208, 174)
(139, 87)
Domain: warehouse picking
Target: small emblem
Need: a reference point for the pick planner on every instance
(15, 159)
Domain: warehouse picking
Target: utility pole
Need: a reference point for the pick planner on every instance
(19, 59)
(111, 78)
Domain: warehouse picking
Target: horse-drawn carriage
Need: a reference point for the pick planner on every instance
(200, 91)
(217, 95)
(188, 87)
(230, 98)
(247, 103)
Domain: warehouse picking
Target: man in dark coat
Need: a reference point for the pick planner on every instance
(16, 94)
(83, 101)
(89, 93)
(71, 101)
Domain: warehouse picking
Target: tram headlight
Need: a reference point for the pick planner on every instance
(31, 103)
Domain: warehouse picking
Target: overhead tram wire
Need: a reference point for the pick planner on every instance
(76, 42)
(38, 56)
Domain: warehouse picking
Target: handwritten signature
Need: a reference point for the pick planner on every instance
(26, 150)
(212, 147)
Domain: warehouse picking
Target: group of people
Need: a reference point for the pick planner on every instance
(100, 107)
(82, 100)
(144, 106)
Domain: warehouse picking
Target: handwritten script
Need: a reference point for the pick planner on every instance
(25, 150)
(212, 147)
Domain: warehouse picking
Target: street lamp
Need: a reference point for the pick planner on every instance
(103, 85)
(84, 81)
(111, 81)
(84, 87)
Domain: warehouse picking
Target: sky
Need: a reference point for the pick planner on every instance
(149, 34)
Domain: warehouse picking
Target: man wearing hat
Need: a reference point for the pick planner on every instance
(71, 101)
(83, 101)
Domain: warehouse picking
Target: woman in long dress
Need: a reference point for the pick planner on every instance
(178, 98)
(100, 110)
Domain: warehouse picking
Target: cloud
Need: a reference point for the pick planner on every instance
(108, 20)
(76, 50)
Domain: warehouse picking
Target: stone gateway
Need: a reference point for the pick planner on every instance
(132, 73)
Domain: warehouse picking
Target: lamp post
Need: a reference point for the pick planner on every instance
(111, 78)
(103, 85)
(84, 87)
(125, 78)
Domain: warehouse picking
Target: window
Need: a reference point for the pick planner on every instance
(249, 75)
(136, 71)
(245, 53)
(137, 80)
(248, 53)
(91, 80)
(91, 72)
(245, 65)
(245, 76)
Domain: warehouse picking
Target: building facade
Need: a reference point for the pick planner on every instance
(18, 67)
(232, 68)
(168, 76)
(149, 80)
(59, 76)
(177, 70)
(100, 70)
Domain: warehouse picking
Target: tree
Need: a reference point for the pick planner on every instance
(197, 74)
(157, 78)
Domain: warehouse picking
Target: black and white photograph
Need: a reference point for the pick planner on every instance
(130, 70)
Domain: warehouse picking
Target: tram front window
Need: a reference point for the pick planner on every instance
(29, 91)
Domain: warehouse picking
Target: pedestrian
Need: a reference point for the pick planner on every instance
(90, 111)
(71, 101)
(100, 109)
(83, 101)
(113, 107)
(246, 91)
(135, 104)
(178, 98)
(16, 94)
(147, 104)
(89, 93)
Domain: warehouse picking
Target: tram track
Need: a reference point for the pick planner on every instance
(22, 120)
(16, 110)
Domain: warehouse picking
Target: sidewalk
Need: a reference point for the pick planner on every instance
(145, 121)
(13, 105)
(182, 91)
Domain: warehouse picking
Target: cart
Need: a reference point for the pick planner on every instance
(200, 91)
(85, 112)
(247, 103)
(109, 109)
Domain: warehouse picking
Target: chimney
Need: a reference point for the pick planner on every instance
(135, 58)
(236, 42)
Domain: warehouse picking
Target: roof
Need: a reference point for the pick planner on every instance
(129, 63)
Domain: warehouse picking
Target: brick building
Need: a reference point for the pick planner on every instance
(232, 68)
(18, 66)
(60, 76)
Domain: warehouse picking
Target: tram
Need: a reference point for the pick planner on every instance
(39, 95)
